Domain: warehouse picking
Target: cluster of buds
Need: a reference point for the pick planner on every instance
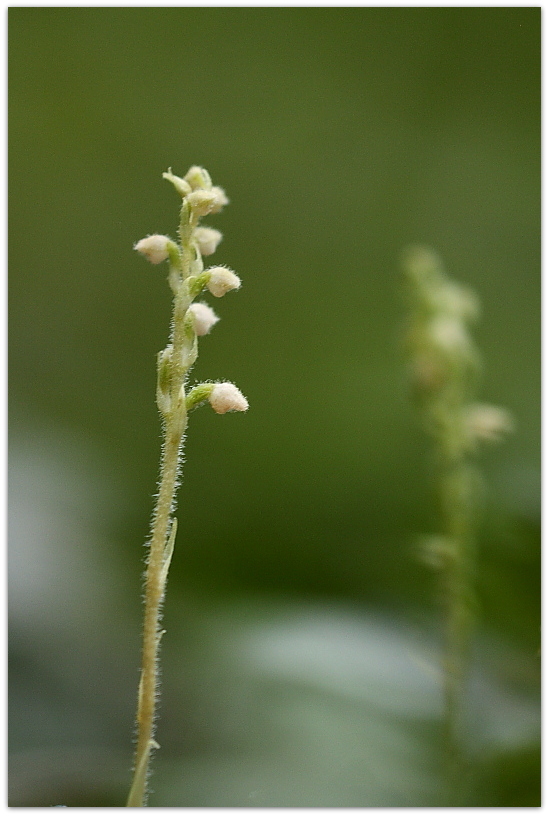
(439, 338)
(445, 362)
(188, 279)
(191, 319)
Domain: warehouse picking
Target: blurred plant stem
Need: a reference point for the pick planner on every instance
(445, 374)
(187, 278)
(458, 578)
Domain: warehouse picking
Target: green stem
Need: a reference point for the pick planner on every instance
(155, 576)
(457, 487)
(154, 593)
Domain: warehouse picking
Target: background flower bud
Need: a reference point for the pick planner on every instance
(422, 264)
(450, 336)
(222, 280)
(204, 318)
(488, 422)
(227, 397)
(154, 248)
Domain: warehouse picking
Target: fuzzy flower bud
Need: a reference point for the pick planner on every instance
(154, 248)
(227, 397)
(450, 336)
(456, 301)
(204, 318)
(207, 239)
(422, 264)
(222, 280)
(488, 423)
(183, 187)
(221, 199)
(202, 201)
(198, 177)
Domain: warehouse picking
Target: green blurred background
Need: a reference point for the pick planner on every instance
(295, 597)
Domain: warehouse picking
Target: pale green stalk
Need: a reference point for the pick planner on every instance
(446, 368)
(175, 424)
(187, 279)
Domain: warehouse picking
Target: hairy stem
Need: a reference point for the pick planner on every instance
(187, 278)
(175, 423)
(154, 593)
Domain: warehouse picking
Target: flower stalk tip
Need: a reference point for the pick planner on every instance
(198, 178)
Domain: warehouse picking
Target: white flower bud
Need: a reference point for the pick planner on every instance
(204, 318)
(488, 422)
(221, 199)
(202, 201)
(222, 280)
(422, 263)
(198, 177)
(207, 239)
(457, 301)
(450, 336)
(154, 248)
(227, 397)
(183, 187)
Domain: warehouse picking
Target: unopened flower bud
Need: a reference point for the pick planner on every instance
(488, 423)
(450, 336)
(183, 187)
(227, 397)
(207, 239)
(422, 263)
(204, 318)
(458, 301)
(221, 199)
(198, 177)
(154, 248)
(222, 280)
(202, 201)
